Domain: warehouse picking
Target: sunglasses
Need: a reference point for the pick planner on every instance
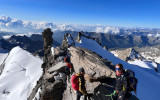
(118, 68)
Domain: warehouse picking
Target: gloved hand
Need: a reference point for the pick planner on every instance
(114, 93)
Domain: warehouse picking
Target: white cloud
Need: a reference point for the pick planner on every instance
(99, 30)
(19, 26)
(111, 30)
(24, 27)
(5, 19)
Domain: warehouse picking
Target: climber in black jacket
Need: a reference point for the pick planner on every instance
(122, 83)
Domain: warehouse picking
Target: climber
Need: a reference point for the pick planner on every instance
(122, 83)
(67, 59)
(78, 84)
(69, 65)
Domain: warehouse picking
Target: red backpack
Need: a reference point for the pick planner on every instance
(69, 65)
(74, 82)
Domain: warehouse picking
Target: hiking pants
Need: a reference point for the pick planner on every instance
(79, 94)
(122, 96)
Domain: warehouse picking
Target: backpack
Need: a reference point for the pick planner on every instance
(132, 80)
(74, 82)
(69, 65)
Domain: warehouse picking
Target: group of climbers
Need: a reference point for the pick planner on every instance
(77, 80)
(125, 82)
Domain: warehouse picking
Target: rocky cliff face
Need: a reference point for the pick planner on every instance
(124, 41)
(22, 41)
(55, 82)
(99, 74)
(33, 44)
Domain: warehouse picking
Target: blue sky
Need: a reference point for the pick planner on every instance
(125, 13)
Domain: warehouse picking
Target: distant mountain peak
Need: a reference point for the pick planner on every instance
(127, 54)
(134, 55)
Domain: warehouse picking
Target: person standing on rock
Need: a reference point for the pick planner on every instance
(78, 84)
(122, 83)
(68, 66)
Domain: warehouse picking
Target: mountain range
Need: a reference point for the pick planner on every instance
(19, 64)
(22, 71)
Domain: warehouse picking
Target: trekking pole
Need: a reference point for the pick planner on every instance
(111, 95)
(132, 87)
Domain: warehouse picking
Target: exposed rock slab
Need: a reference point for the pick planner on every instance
(98, 72)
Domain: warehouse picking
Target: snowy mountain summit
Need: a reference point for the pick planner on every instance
(21, 74)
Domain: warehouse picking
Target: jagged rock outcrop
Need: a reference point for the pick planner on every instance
(48, 62)
(134, 55)
(65, 42)
(127, 54)
(48, 57)
(52, 84)
(47, 37)
(100, 73)
(78, 37)
(80, 34)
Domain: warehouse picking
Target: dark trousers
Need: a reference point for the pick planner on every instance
(122, 96)
(79, 94)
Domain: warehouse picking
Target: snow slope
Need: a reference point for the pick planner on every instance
(157, 60)
(148, 80)
(20, 74)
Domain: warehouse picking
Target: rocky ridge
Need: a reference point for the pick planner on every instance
(100, 73)
(131, 54)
